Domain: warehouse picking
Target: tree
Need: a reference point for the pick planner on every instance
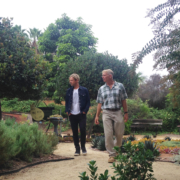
(154, 90)
(67, 38)
(22, 72)
(89, 66)
(20, 31)
(165, 42)
(63, 40)
(34, 34)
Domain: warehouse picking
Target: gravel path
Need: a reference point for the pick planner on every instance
(69, 170)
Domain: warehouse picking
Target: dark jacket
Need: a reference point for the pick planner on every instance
(84, 99)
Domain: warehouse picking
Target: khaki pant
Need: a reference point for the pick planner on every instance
(113, 122)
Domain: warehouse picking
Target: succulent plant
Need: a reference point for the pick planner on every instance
(152, 147)
(131, 138)
(101, 144)
(95, 141)
(147, 137)
(167, 138)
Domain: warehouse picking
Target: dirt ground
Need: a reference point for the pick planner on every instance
(69, 170)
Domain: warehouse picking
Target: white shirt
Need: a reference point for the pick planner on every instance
(75, 109)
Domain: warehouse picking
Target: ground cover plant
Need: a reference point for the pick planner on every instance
(23, 141)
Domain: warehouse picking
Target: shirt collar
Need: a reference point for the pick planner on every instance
(115, 84)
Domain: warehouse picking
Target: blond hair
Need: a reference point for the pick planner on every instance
(75, 76)
(108, 71)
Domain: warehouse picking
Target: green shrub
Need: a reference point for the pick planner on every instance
(25, 139)
(8, 146)
(135, 164)
(150, 145)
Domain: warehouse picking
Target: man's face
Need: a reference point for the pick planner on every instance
(106, 77)
(72, 81)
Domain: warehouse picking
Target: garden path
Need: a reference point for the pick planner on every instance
(69, 170)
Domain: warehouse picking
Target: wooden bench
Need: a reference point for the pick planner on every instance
(146, 123)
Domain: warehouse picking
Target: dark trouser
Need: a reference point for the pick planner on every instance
(79, 119)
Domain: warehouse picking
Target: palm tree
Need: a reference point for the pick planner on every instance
(34, 34)
(20, 31)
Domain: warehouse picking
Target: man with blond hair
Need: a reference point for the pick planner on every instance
(77, 106)
(111, 97)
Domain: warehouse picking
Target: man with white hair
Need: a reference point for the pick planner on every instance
(77, 106)
(111, 97)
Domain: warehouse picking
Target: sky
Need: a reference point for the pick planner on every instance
(119, 25)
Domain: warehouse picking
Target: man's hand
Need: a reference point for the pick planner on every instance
(84, 113)
(125, 117)
(96, 120)
(68, 114)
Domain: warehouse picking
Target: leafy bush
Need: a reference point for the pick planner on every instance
(136, 163)
(18, 105)
(152, 147)
(24, 141)
(8, 147)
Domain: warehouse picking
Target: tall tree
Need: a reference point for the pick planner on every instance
(64, 40)
(67, 38)
(22, 72)
(166, 42)
(34, 34)
(90, 66)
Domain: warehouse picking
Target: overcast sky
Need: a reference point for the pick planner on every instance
(119, 25)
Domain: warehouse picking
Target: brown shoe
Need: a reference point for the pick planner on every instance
(111, 159)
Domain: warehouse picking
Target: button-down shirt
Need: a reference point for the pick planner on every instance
(111, 98)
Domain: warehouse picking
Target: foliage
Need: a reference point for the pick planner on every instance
(8, 148)
(131, 138)
(152, 147)
(68, 38)
(171, 143)
(101, 144)
(167, 138)
(90, 66)
(136, 163)
(154, 91)
(93, 169)
(90, 119)
(24, 141)
(177, 158)
(147, 137)
(22, 72)
(166, 43)
(95, 141)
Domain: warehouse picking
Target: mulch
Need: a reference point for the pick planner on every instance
(16, 165)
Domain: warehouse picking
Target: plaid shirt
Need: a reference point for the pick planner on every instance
(111, 98)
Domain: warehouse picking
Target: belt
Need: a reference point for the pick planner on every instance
(112, 109)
